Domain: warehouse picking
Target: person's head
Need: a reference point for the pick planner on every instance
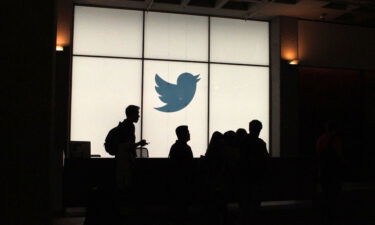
(216, 137)
(182, 133)
(215, 142)
(240, 133)
(230, 137)
(255, 126)
(132, 113)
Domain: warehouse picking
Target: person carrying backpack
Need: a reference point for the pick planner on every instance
(120, 142)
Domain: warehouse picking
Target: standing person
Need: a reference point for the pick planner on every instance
(125, 157)
(254, 164)
(213, 170)
(181, 158)
(330, 162)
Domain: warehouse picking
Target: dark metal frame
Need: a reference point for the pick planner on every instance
(143, 59)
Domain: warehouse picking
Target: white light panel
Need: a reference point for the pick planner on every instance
(101, 90)
(107, 32)
(176, 36)
(239, 41)
(103, 87)
(239, 94)
(159, 127)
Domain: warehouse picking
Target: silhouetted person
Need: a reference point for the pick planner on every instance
(240, 135)
(330, 164)
(126, 154)
(254, 164)
(181, 158)
(231, 164)
(103, 206)
(213, 172)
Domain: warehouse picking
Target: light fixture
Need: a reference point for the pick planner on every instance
(294, 62)
(59, 48)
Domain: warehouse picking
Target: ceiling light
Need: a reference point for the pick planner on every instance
(59, 48)
(294, 62)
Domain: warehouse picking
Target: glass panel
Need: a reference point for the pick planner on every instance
(182, 102)
(101, 90)
(239, 41)
(107, 32)
(239, 94)
(176, 36)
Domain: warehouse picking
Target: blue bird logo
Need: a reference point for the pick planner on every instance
(176, 96)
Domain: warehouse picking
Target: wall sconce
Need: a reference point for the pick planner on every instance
(294, 62)
(59, 48)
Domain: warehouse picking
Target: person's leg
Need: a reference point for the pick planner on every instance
(244, 200)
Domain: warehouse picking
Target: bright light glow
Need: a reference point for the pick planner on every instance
(294, 62)
(288, 53)
(59, 48)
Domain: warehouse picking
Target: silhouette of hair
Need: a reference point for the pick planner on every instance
(216, 136)
(214, 143)
(230, 137)
(131, 109)
(181, 131)
(255, 126)
(241, 132)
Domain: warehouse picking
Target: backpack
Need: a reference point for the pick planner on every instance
(112, 140)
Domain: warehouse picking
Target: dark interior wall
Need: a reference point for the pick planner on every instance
(322, 87)
(369, 117)
(64, 22)
(28, 61)
(330, 94)
(333, 45)
(289, 114)
(289, 97)
(345, 96)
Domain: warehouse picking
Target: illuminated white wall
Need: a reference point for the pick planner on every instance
(100, 90)
(239, 41)
(159, 127)
(239, 94)
(176, 37)
(116, 59)
(107, 32)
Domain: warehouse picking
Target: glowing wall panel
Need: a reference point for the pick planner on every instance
(101, 89)
(159, 126)
(176, 36)
(227, 96)
(239, 94)
(239, 41)
(107, 32)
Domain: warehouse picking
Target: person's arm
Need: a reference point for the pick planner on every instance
(130, 145)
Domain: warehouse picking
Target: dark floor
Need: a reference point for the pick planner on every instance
(356, 207)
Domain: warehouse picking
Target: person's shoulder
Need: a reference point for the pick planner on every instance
(174, 145)
(260, 140)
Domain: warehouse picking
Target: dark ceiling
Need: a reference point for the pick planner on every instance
(354, 12)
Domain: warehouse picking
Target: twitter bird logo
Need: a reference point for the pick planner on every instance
(176, 96)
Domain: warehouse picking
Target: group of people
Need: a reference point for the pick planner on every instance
(234, 160)
(233, 168)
